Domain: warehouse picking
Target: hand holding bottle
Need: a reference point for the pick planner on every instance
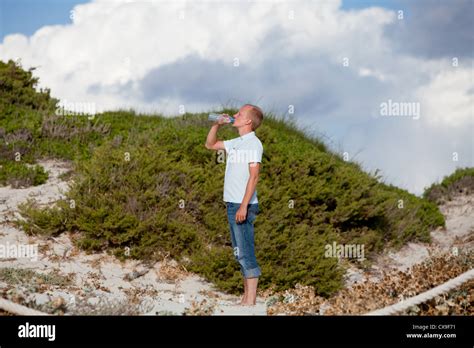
(221, 119)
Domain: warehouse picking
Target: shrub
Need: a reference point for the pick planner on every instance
(147, 184)
(461, 181)
(19, 174)
(128, 194)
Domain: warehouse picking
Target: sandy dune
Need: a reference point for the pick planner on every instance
(162, 288)
(165, 288)
(457, 237)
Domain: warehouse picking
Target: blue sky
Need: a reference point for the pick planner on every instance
(27, 16)
(202, 55)
(358, 4)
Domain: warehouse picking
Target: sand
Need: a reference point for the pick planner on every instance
(455, 238)
(165, 288)
(161, 289)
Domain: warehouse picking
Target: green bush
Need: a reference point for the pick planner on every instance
(19, 174)
(147, 184)
(18, 88)
(128, 194)
(461, 181)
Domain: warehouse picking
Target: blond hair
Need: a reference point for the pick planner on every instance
(256, 115)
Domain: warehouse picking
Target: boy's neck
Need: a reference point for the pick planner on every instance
(242, 131)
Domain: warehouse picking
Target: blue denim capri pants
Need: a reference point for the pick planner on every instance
(242, 235)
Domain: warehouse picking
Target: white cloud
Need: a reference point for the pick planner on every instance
(118, 54)
(448, 99)
(111, 43)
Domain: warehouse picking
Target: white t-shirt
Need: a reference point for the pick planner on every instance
(240, 152)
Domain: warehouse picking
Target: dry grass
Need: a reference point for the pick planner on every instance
(57, 127)
(106, 307)
(459, 301)
(209, 293)
(136, 295)
(171, 271)
(27, 277)
(201, 308)
(392, 288)
(5, 314)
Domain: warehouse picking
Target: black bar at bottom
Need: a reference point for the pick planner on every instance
(328, 330)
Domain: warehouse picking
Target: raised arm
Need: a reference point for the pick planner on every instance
(211, 142)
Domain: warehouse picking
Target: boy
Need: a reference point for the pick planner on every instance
(244, 155)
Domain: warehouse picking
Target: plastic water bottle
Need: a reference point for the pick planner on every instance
(214, 117)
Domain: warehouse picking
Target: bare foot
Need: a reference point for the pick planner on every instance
(243, 300)
(247, 303)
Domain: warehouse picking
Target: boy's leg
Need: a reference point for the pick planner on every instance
(244, 298)
(231, 210)
(242, 235)
(252, 291)
(249, 262)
